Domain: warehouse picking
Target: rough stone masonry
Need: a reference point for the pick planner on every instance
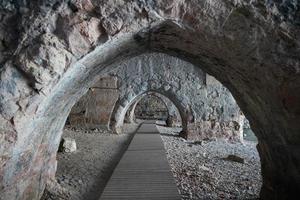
(94, 109)
(52, 51)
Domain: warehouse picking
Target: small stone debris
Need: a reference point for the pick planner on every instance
(235, 158)
(204, 168)
(198, 142)
(67, 145)
(191, 143)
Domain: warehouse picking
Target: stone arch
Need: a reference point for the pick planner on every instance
(130, 115)
(121, 109)
(264, 103)
(174, 117)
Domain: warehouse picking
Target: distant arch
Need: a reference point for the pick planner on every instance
(173, 118)
(122, 107)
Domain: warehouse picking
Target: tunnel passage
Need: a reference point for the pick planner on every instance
(156, 107)
(47, 64)
(173, 110)
(151, 107)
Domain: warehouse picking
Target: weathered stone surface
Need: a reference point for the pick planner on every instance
(252, 47)
(94, 109)
(107, 82)
(235, 158)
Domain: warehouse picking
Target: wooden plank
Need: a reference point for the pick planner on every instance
(141, 185)
(146, 128)
(143, 173)
(146, 142)
(144, 160)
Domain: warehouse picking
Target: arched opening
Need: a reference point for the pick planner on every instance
(207, 147)
(151, 108)
(124, 112)
(121, 110)
(155, 107)
(278, 142)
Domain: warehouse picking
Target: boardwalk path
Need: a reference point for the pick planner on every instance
(143, 173)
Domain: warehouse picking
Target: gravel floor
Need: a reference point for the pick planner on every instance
(201, 172)
(82, 175)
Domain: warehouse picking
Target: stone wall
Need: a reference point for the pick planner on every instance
(220, 116)
(95, 107)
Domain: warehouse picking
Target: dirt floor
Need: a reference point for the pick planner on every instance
(200, 169)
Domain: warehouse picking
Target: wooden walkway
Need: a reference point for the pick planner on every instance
(143, 173)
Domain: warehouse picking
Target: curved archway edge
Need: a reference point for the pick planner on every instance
(173, 116)
(120, 111)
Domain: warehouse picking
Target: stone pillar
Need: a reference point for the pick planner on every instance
(280, 167)
(95, 108)
(132, 114)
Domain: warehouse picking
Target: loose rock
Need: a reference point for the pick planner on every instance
(235, 158)
(68, 145)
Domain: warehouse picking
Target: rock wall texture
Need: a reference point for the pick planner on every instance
(52, 51)
(94, 109)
